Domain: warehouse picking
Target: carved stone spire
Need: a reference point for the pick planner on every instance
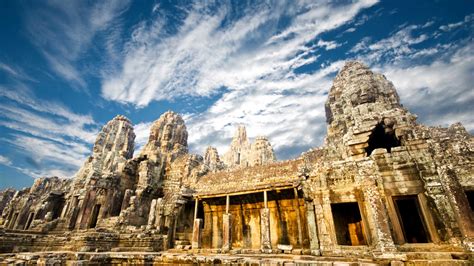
(212, 160)
(113, 146)
(242, 153)
(168, 135)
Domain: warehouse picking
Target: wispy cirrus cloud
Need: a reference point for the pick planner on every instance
(451, 26)
(250, 57)
(447, 82)
(15, 72)
(206, 54)
(5, 160)
(63, 31)
(52, 139)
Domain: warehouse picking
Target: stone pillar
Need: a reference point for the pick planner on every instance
(266, 244)
(196, 203)
(227, 232)
(65, 209)
(196, 240)
(159, 214)
(322, 211)
(171, 230)
(152, 215)
(126, 199)
(312, 229)
(382, 242)
(297, 209)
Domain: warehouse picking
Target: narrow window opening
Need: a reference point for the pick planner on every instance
(470, 198)
(348, 224)
(382, 137)
(411, 219)
(95, 215)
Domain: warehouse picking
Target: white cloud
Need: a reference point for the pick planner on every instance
(250, 58)
(294, 120)
(8, 69)
(63, 31)
(50, 137)
(5, 160)
(71, 154)
(352, 29)
(14, 72)
(395, 47)
(204, 55)
(328, 45)
(442, 91)
(451, 26)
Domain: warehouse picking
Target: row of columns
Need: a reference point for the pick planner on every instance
(266, 245)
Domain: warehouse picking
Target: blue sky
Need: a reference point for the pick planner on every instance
(67, 67)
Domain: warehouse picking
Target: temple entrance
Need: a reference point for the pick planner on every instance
(95, 215)
(185, 222)
(411, 219)
(348, 224)
(57, 201)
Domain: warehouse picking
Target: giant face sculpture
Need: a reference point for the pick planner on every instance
(365, 93)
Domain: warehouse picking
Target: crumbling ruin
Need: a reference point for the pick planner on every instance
(382, 187)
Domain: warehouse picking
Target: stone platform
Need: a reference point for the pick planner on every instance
(204, 258)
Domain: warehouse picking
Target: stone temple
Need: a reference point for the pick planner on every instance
(382, 189)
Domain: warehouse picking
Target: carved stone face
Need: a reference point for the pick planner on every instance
(167, 132)
(365, 94)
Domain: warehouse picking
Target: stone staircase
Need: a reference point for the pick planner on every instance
(439, 258)
(182, 241)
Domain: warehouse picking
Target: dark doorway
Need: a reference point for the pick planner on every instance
(95, 215)
(30, 219)
(470, 198)
(348, 224)
(411, 219)
(57, 200)
(382, 137)
(185, 220)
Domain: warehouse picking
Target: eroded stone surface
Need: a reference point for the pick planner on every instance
(242, 153)
(352, 191)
